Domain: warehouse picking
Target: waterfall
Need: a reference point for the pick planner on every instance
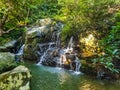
(63, 52)
(77, 66)
(42, 58)
(58, 40)
(20, 51)
(70, 44)
(69, 48)
(51, 54)
(19, 54)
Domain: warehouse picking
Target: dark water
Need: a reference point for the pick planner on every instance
(48, 78)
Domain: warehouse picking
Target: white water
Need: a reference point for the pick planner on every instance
(42, 58)
(58, 40)
(21, 51)
(78, 65)
(69, 48)
(61, 59)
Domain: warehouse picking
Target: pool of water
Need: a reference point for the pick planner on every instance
(49, 78)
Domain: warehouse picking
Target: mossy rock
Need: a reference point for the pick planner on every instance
(7, 61)
(8, 46)
(16, 79)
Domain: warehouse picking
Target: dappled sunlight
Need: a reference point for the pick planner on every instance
(90, 45)
(89, 40)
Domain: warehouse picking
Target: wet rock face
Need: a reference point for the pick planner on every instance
(7, 61)
(16, 79)
(51, 58)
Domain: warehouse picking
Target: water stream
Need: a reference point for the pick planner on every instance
(21, 50)
(42, 58)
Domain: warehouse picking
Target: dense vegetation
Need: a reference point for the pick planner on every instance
(94, 24)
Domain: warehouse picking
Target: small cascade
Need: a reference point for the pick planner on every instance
(70, 46)
(58, 40)
(20, 52)
(51, 54)
(42, 58)
(19, 55)
(77, 66)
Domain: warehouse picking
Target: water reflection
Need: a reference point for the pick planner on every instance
(63, 77)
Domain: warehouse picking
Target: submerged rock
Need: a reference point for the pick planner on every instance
(7, 61)
(16, 79)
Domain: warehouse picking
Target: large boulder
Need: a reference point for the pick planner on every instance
(7, 61)
(33, 37)
(8, 47)
(44, 32)
(16, 79)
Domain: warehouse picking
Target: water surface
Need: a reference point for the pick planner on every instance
(49, 78)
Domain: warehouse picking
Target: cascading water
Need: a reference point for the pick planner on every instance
(77, 66)
(42, 58)
(70, 44)
(19, 54)
(20, 51)
(54, 55)
(58, 40)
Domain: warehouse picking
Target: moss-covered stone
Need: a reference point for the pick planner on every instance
(8, 46)
(7, 61)
(16, 79)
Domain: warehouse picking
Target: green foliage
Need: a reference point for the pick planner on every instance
(111, 48)
(95, 16)
(87, 15)
(14, 34)
(19, 13)
(47, 9)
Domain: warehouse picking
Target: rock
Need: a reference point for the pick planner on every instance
(37, 34)
(33, 37)
(8, 47)
(70, 57)
(16, 79)
(7, 61)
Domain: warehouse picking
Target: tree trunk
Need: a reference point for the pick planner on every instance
(2, 23)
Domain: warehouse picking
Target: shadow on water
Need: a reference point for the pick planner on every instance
(49, 78)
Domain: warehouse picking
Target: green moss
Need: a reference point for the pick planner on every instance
(7, 62)
(16, 79)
